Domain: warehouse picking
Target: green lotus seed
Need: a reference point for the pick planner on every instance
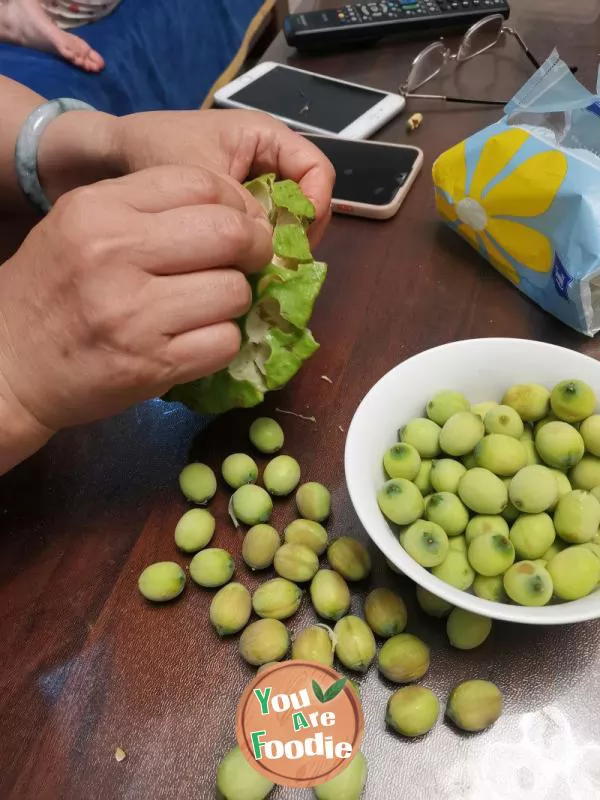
(404, 658)
(347, 784)
(482, 491)
(491, 554)
(431, 604)
(447, 511)
(563, 485)
(469, 461)
(474, 705)
(385, 612)
(266, 435)
(528, 584)
(198, 483)
(533, 489)
(586, 474)
(211, 567)
(230, 609)
(455, 570)
(590, 433)
(250, 504)
(532, 535)
(575, 572)
(458, 543)
(313, 501)
(530, 400)
(556, 547)
(400, 501)
(485, 524)
(461, 433)
(446, 404)
(423, 478)
(296, 562)
(559, 445)
(467, 630)
(350, 558)
(260, 545)
(355, 644)
(573, 401)
(481, 409)
(423, 435)
(314, 644)
(527, 435)
(194, 530)
(412, 711)
(491, 588)
(264, 641)
(238, 780)
(504, 419)
(531, 453)
(425, 542)
(402, 461)
(277, 599)
(281, 476)
(162, 581)
(593, 547)
(577, 517)
(239, 469)
(329, 594)
(307, 532)
(551, 417)
(445, 475)
(510, 513)
(503, 455)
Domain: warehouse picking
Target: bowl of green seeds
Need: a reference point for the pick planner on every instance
(475, 469)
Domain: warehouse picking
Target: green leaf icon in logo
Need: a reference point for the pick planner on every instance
(331, 693)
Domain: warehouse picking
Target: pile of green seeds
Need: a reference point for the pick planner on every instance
(402, 659)
(502, 498)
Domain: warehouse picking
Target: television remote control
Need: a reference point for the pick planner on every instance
(372, 21)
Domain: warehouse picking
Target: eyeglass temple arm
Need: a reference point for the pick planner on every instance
(524, 47)
(457, 99)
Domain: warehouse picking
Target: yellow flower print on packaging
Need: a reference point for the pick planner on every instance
(529, 203)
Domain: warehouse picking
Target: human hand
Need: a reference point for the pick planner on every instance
(240, 144)
(126, 288)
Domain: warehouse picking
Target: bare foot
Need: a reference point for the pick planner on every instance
(25, 22)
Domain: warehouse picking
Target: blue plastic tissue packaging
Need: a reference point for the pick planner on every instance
(525, 192)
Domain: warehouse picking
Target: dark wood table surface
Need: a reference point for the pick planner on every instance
(86, 665)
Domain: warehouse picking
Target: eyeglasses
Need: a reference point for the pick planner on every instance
(477, 40)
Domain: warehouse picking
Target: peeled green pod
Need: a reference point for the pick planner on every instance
(350, 558)
(237, 780)
(275, 337)
(281, 476)
(314, 644)
(239, 469)
(250, 504)
(467, 630)
(385, 612)
(573, 400)
(431, 604)
(412, 711)
(530, 400)
(355, 643)
(329, 594)
(230, 609)
(266, 435)
(402, 461)
(445, 404)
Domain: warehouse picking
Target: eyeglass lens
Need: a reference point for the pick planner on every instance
(480, 37)
(426, 65)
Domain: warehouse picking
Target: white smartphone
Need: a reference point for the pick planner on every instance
(372, 178)
(311, 102)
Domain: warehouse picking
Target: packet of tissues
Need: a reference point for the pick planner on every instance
(525, 192)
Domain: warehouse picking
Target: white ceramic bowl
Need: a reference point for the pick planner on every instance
(482, 369)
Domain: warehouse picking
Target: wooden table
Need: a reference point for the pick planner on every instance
(86, 665)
